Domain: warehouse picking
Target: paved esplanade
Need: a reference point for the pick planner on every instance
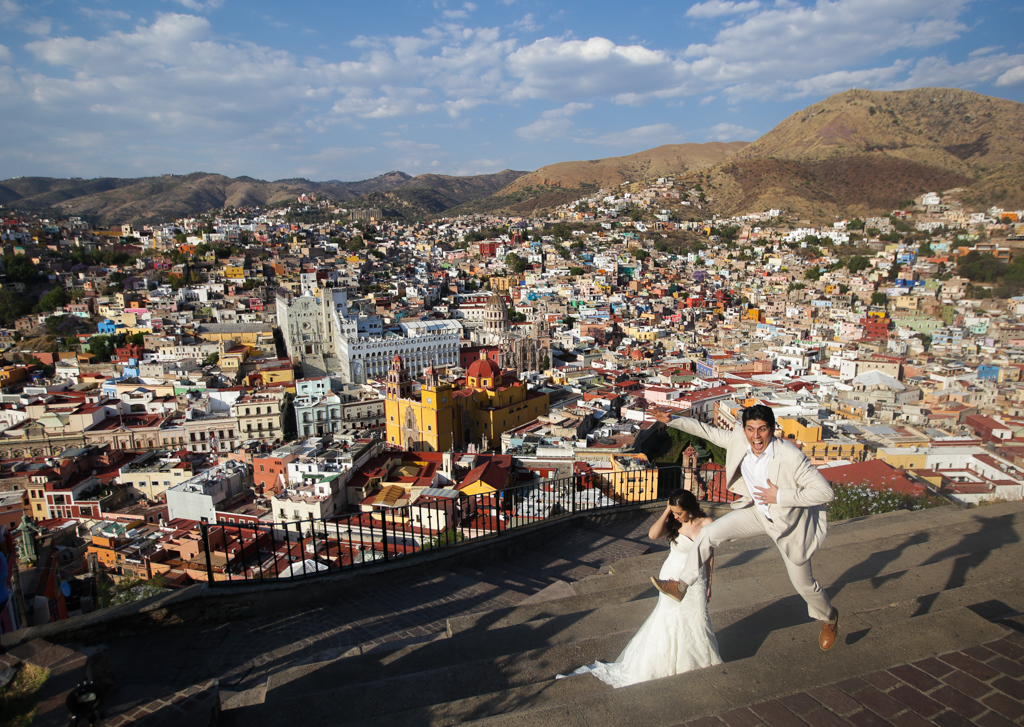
(928, 635)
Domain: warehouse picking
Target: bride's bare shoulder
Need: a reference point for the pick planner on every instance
(704, 522)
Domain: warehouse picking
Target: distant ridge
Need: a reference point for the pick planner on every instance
(108, 201)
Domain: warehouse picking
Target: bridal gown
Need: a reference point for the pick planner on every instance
(676, 637)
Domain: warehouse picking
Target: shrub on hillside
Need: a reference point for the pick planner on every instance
(860, 500)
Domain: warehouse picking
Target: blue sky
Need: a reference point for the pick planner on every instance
(347, 90)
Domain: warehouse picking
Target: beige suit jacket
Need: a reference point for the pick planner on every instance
(798, 522)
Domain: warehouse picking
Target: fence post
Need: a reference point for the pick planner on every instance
(205, 528)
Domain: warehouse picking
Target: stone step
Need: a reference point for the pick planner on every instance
(502, 578)
(684, 697)
(626, 588)
(526, 692)
(749, 616)
(880, 560)
(458, 692)
(196, 706)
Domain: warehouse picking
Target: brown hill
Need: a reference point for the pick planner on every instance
(866, 151)
(564, 182)
(153, 199)
(661, 161)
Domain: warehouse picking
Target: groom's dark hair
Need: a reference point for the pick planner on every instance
(759, 413)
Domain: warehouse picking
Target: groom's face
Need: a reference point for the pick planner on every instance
(759, 435)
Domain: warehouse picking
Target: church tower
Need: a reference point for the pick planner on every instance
(399, 385)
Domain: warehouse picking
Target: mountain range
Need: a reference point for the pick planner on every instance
(856, 152)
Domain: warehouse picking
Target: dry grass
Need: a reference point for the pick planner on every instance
(18, 701)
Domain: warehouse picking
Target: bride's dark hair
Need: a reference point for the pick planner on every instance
(686, 500)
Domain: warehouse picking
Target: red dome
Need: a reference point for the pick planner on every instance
(484, 368)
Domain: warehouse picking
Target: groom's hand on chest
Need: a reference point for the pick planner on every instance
(769, 494)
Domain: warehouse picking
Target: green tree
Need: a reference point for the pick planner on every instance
(13, 305)
(101, 346)
(856, 263)
(56, 298)
(812, 274)
(212, 359)
(574, 271)
(515, 263)
(20, 269)
(894, 271)
(878, 298)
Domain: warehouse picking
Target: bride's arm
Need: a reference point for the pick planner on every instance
(660, 527)
(710, 566)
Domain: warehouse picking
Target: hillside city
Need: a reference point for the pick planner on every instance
(391, 384)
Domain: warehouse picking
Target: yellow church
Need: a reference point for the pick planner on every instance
(488, 403)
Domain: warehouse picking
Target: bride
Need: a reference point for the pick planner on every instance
(677, 636)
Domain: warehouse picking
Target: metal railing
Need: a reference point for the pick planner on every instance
(265, 552)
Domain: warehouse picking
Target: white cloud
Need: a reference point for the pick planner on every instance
(5, 54)
(553, 123)
(1013, 77)
(103, 15)
(984, 51)
(715, 8)
(642, 137)
(527, 23)
(464, 12)
(731, 132)
(408, 145)
(596, 68)
(40, 26)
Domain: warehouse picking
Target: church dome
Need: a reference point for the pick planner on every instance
(484, 368)
(496, 302)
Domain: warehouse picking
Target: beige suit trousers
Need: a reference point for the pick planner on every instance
(744, 523)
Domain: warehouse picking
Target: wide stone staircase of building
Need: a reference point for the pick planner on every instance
(909, 586)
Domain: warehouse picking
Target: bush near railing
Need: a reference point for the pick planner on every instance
(861, 500)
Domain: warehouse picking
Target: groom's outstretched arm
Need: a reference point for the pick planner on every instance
(718, 437)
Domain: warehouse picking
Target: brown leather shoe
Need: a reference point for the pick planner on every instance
(829, 631)
(673, 589)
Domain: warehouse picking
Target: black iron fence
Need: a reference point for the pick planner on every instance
(267, 552)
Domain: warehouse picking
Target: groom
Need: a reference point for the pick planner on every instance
(781, 494)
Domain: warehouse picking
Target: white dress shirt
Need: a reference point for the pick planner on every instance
(755, 473)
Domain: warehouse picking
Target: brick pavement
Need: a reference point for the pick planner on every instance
(243, 654)
(982, 685)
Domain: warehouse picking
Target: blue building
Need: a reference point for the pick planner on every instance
(988, 372)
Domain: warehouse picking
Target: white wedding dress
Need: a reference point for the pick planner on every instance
(676, 637)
